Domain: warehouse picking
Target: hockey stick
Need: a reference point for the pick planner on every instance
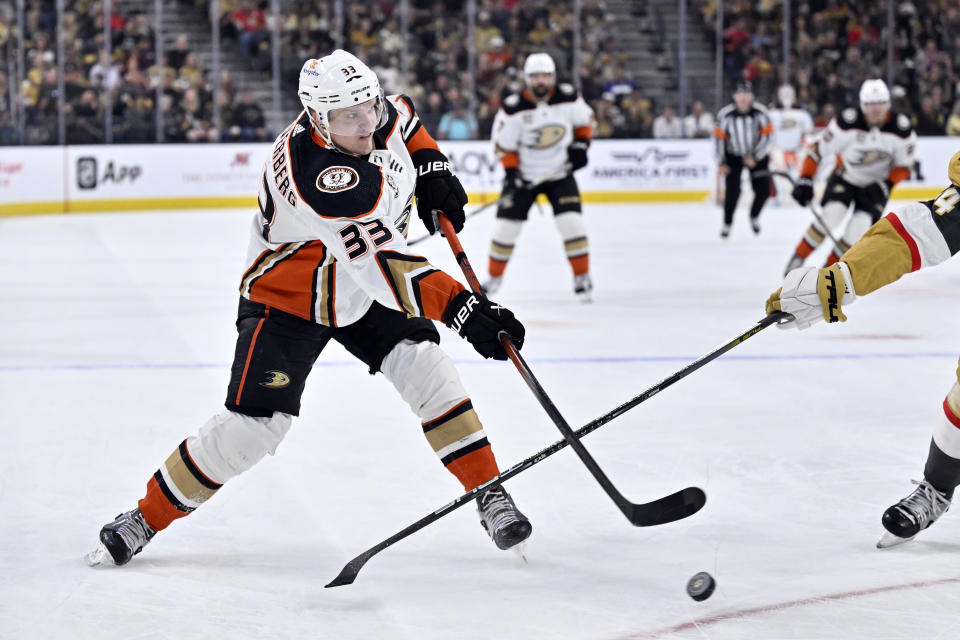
(549, 178)
(667, 509)
(813, 210)
(492, 203)
(350, 571)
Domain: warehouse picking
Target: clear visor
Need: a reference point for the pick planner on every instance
(358, 120)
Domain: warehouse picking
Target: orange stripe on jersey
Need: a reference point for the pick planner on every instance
(157, 510)
(898, 174)
(767, 130)
(246, 364)
(580, 264)
(720, 133)
(436, 292)
(475, 468)
(809, 168)
(585, 131)
(510, 160)
(908, 239)
(288, 285)
(421, 140)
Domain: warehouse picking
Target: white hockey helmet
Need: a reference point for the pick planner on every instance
(786, 95)
(341, 95)
(538, 63)
(874, 91)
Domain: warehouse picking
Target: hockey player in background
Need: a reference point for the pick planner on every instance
(915, 236)
(791, 126)
(743, 141)
(541, 135)
(328, 260)
(874, 148)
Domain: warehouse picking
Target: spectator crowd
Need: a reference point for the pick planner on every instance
(425, 53)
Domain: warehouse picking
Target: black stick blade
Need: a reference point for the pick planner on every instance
(350, 571)
(675, 506)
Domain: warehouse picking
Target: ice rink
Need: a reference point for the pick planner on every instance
(118, 335)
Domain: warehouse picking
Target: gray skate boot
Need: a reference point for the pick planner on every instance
(583, 287)
(904, 520)
(122, 539)
(491, 286)
(501, 519)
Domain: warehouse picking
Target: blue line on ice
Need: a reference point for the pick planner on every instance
(533, 361)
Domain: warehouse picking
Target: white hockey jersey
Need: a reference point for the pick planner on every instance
(790, 126)
(534, 135)
(865, 154)
(330, 235)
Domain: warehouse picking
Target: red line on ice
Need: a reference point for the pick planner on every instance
(779, 606)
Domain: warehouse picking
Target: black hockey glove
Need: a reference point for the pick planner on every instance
(439, 190)
(480, 322)
(577, 153)
(803, 191)
(877, 194)
(511, 183)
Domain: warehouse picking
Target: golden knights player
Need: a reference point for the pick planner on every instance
(542, 135)
(874, 148)
(328, 260)
(916, 236)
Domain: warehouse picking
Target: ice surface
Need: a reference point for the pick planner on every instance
(118, 334)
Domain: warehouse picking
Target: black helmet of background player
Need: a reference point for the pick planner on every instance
(953, 169)
(743, 96)
(540, 73)
(874, 101)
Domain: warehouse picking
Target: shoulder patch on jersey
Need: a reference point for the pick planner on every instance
(337, 178)
(564, 93)
(903, 122)
(516, 102)
(849, 116)
(852, 119)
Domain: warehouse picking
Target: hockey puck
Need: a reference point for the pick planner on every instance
(701, 586)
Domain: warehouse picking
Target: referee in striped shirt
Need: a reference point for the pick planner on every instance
(743, 140)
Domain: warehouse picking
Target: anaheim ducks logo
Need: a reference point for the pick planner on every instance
(547, 135)
(871, 156)
(336, 179)
(276, 380)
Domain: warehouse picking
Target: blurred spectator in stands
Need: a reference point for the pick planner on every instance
(953, 122)
(634, 117)
(245, 24)
(699, 124)
(104, 73)
(85, 120)
(667, 125)
(735, 37)
(245, 121)
(189, 72)
(485, 31)
(457, 123)
(838, 94)
(196, 121)
(621, 85)
(928, 121)
(431, 112)
(177, 56)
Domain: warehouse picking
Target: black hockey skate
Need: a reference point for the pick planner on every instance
(904, 520)
(583, 287)
(501, 518)
(122, 539)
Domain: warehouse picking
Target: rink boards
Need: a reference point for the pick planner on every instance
(179, 176)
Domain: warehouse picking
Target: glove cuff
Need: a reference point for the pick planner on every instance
(459, 309)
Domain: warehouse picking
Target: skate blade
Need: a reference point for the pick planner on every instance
(98, 556)
(888, 540)
(521, 552)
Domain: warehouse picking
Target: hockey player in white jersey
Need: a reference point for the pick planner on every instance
(913, 237)
(328, 260)
(791, 126)
(542, 135)
(875, 147)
